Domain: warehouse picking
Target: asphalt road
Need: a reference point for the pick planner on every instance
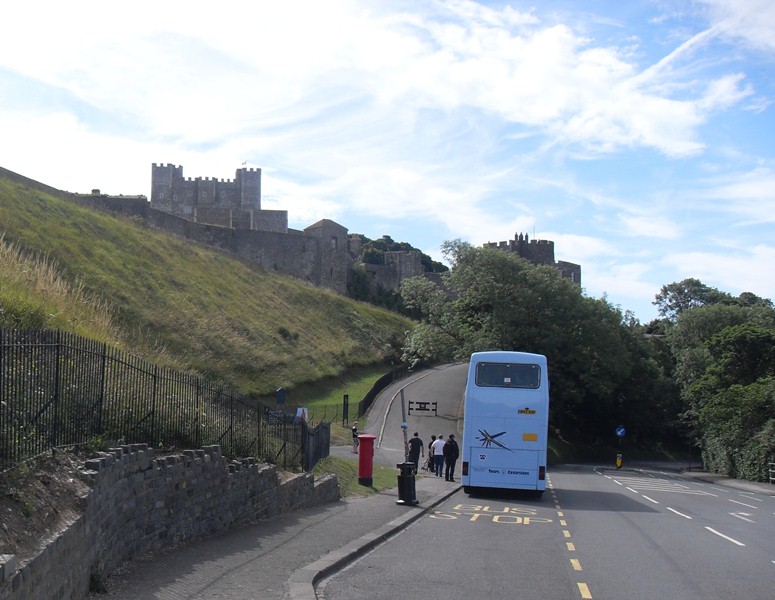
(599, 532)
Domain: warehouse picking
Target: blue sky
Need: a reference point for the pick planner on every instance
(638, 135)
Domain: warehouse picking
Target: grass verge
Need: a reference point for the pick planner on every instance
(346, 472)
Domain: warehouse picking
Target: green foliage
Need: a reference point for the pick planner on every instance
(724, 354)
(738, 429)
(677, 298)
(601, 368)
(373, 252)
(358, 283)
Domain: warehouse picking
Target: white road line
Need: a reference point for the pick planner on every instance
(678, 513)
(743, 516)
(650, 499)
(747, 497)
(726, 537)
(742, 503)
(617, 482)
(632, 490)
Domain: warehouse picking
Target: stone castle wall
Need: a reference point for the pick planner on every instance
(540, 252)
(139, 503)
(171, 192)
(301, 254)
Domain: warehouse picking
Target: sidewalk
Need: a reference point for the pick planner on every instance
(279, 559)
(739, 484)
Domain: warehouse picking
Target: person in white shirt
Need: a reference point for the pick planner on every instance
(438, 455)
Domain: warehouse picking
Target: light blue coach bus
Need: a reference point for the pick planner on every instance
(505, 422)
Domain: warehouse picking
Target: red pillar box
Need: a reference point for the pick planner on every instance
(366, 459)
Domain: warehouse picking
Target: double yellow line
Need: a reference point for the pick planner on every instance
(575, 563)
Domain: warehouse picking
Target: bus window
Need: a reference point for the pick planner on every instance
(508, 375)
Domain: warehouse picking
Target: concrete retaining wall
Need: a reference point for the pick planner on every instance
(139, 503)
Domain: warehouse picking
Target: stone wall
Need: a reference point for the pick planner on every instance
(540, 252)
(139, 504)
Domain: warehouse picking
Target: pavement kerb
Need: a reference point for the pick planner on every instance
(739, 484)
(302, 582)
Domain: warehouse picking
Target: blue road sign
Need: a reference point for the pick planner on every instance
(620, 431)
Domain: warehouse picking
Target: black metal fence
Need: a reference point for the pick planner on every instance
(334, 412)
(58, 389)
(379, 385)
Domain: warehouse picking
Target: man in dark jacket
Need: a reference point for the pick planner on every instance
(451, 454)
(416, 447)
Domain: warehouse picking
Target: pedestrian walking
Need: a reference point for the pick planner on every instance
(356, 441)
(438, 455)
(416, 447)
(451, 453)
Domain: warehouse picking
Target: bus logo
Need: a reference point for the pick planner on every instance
(526, 411)
(488, 439)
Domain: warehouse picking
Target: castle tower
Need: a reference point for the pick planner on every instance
(249, 188)
(164, 180)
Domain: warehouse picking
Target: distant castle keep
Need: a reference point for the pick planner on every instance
(234, 203)
(540, 252)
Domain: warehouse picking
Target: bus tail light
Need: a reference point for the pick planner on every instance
(465, 468)
(541, 473)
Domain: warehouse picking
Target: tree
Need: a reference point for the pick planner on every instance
(676, 298)
(495, 300)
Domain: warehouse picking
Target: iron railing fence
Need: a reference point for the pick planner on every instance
(59, 389)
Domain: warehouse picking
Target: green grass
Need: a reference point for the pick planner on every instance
(182, 305)
(346, 471)
(324, 399)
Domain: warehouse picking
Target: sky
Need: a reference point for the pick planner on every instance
(638, 136)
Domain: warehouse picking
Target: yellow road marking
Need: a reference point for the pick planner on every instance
(563, 523)
(571, 546)
(584, 591)
(560, 513)
(576, 564)
(566, 533)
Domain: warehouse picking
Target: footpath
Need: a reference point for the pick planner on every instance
(278, 559)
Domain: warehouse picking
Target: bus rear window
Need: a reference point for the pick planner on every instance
(508, 376)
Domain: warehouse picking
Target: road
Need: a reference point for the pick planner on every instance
(599, 533)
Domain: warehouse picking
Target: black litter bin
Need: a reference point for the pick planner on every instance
(406, 490)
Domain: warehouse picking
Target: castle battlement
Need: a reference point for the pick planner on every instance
(539, 252)
(185, 196)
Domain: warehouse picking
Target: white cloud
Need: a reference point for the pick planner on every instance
(749, 198)
(744, 270)
(752, 21)
(650, 225)
(469, 120)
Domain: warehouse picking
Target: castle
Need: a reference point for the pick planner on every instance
(227, 215)
(236, 204)
(540, 252)
(321, 254)
(229, 203)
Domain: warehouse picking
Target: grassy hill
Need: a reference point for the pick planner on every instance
(176, 303)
